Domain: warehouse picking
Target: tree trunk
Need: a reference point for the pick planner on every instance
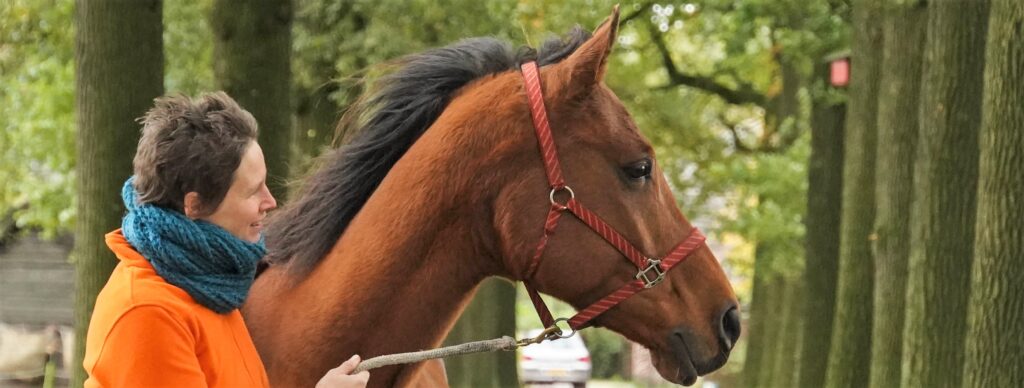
(850, 353)
(995, 323)
(772, 330)
(762, 326)
(491, 314)
(945, 185)
(119, 68)
(824, 198)
(252, 63)
(786, 363)
(782, 117)
(903, 34)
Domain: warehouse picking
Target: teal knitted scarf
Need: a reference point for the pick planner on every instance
(213, 266)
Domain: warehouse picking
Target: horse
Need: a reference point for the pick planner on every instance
(443, 185)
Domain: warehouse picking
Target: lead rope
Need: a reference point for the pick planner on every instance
(505, 343)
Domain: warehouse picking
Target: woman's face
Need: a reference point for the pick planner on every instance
(246, 203)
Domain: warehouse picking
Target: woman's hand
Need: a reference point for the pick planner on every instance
(341, 376)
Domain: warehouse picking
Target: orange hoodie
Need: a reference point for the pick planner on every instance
(146, 332)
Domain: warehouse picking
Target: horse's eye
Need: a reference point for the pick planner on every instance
(639, 170)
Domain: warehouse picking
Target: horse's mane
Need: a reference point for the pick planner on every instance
(385, 124)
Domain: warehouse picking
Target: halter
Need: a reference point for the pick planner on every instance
(650, 271)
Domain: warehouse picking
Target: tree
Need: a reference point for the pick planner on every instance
(994, 355)
(850, 351)
(188, 48)
(945, 185)
(37, 99)
(824, 196)
(119, 71)
(770, 362)
(491, 318)
(252, 63)
(903, 34)
(327, 41)
(766, 301)
(785, 117)
(786, 363)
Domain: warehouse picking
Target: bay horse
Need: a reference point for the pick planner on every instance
(443, 186)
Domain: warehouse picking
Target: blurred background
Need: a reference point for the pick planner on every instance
(751, 108)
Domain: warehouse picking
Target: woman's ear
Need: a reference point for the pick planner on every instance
(193, 205)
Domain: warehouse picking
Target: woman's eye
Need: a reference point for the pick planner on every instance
(639, 170)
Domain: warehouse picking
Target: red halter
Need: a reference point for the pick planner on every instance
(650, 271)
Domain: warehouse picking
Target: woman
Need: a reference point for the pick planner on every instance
(188, 249)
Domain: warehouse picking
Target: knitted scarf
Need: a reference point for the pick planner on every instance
(213, 266)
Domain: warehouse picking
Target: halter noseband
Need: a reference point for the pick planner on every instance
(650, 271)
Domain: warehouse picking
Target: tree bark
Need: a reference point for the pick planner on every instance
(945, 186)
(783, 124)
(850, 353)
(119, 66)
(491, 314)
(763, 321)
(824, 199)
(903, 35)
(786, 363)
(772, 330)
(252, 63)
(995, 323)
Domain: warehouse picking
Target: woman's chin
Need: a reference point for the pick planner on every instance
(254, 233)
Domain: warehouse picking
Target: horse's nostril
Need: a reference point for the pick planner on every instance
(729, 328)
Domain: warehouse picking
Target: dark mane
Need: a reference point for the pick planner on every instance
(384, 124)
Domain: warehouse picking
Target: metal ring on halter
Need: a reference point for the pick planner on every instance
(551, 196)
(558, 333)
(549, 333)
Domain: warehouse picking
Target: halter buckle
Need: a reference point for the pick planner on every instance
(649, 279)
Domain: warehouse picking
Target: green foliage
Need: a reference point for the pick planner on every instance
(336, 42)
(188, 45)
(37, 124)
(607, 350)
(733, 172)
(766, 200)
(37, 144)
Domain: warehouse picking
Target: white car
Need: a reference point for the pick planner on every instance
(559, 361)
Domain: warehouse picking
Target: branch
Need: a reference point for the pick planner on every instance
(744, 95)
(643, 9)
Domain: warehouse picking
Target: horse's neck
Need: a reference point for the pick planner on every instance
(395, 282)
(409, 272)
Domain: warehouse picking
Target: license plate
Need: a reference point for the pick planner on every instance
(557, 372)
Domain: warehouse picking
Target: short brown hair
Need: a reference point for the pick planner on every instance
(191, 145)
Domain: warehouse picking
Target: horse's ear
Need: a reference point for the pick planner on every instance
(586, 66)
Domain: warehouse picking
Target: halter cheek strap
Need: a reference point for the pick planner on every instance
(650, 271)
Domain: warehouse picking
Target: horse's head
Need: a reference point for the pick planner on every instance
(689, 321)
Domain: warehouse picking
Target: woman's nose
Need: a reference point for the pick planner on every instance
(269, 202)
